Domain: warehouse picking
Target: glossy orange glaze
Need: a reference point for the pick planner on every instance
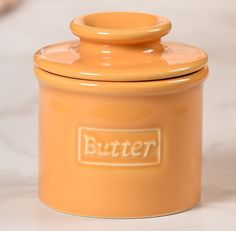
(122, 51)
(111, 143)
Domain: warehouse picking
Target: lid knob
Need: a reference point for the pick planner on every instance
(120, 27)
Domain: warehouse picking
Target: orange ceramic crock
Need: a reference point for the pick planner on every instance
(120, 119)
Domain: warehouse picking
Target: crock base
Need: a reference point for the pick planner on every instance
(68, 213)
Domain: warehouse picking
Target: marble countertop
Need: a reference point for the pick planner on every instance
(207, 24)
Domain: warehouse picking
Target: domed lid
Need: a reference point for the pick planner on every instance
(120, 46)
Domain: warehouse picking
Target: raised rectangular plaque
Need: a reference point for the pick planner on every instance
(119, 147)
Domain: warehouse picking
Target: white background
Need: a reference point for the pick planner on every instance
(208, 24)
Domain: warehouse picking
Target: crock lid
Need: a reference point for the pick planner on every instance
(120, 46)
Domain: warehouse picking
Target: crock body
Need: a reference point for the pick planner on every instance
(123, 183)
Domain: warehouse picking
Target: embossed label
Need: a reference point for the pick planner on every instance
(114, 147)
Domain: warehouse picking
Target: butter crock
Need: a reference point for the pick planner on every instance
(120, 118)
